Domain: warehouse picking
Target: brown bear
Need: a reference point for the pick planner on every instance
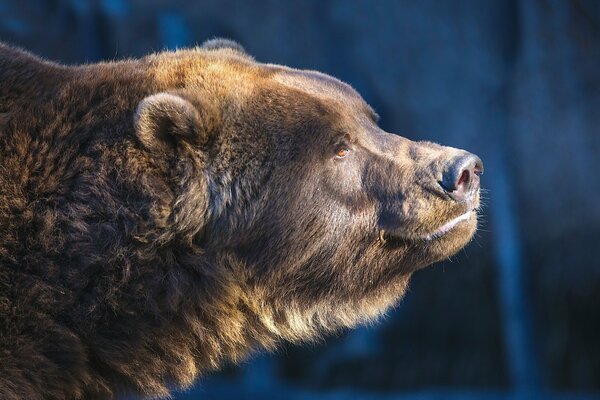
(164, 215)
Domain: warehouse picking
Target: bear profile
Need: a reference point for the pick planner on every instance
(162, 216)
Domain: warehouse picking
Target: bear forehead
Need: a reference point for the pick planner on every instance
(324, 87)
(235, 75)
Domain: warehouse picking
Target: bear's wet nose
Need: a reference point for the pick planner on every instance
(461, 176)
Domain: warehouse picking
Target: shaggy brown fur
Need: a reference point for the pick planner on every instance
(161, 216)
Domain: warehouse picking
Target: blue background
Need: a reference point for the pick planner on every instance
(517, 313)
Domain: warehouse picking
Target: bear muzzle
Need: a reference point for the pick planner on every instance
(461, 177)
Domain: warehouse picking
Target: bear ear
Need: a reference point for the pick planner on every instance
(220, 43)
(162, 121)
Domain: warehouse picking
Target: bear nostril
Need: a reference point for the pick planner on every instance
(464, 179)
(461, 176)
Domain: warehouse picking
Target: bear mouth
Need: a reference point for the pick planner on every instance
(386, 237)
(448, 226)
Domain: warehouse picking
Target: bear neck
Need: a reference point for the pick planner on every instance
(85, 228)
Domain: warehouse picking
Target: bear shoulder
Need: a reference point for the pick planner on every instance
(23, 75)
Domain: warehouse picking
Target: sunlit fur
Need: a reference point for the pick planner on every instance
(164, 215)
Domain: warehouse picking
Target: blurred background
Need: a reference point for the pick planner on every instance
(514, 315)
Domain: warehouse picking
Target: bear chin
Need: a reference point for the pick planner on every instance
(440, 244)
(448, 243)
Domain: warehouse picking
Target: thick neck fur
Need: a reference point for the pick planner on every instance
(124, 303)
(116, 307)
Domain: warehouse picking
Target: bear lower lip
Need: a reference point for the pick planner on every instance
(448, 226)
(386, 237)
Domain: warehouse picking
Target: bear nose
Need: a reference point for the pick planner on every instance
(460, 178)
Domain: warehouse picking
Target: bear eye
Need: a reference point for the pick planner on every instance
(342, 153)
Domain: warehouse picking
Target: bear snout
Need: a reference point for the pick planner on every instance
(460, 178)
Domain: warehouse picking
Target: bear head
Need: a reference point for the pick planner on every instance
(319, 214)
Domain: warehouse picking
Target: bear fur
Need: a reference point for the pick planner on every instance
(164, 215)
